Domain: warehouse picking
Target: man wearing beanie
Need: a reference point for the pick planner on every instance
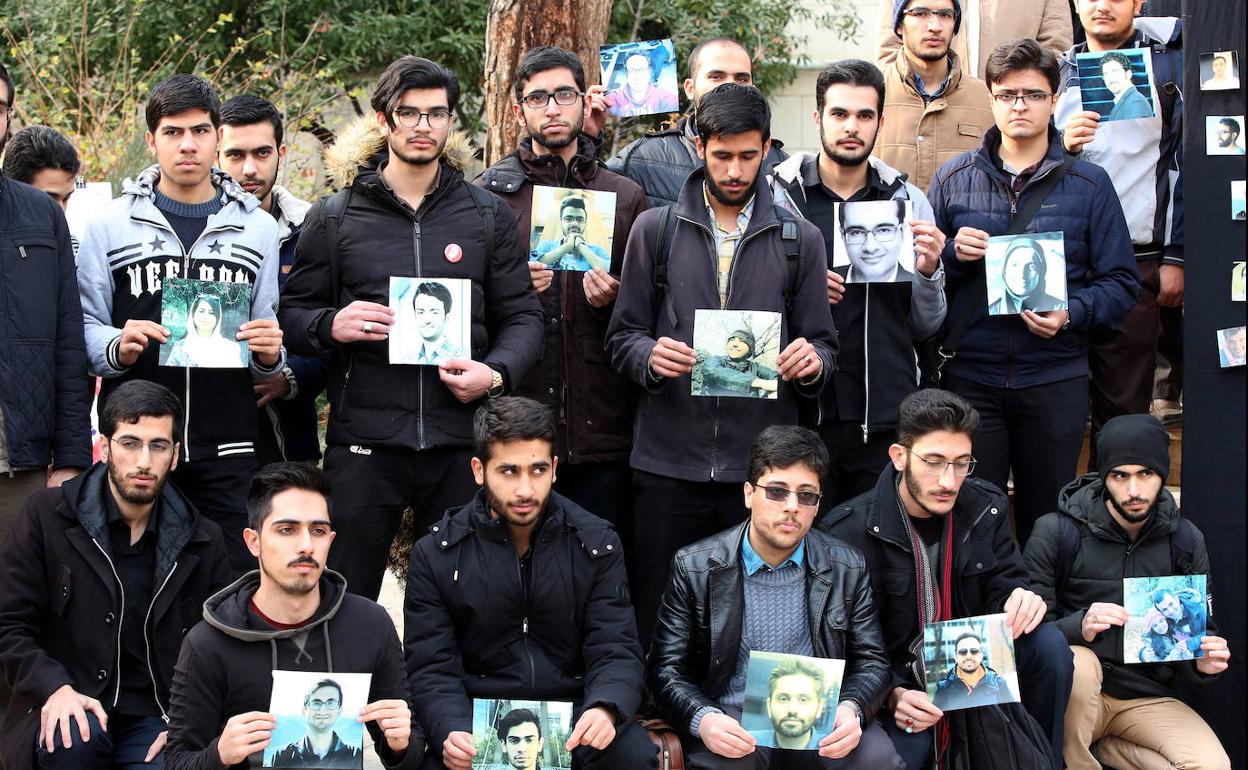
(738, 373)
(1116, 523)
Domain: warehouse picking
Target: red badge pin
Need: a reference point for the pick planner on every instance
(453, 252)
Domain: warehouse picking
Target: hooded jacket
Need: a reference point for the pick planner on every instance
(1106, 556)
(226, 662)
(127, 250)
(61, 602)
(472, 629)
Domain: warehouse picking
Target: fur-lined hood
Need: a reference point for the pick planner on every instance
(359, 144)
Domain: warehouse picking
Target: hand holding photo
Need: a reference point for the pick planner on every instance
(1118, 85)
(432, 320)
(1219, 71)
(1231, 347)
(521, 734)
(1026, 272)
(640, 78)
(873, 241)
(572, 229)
(316, 720)
(790, 700)
(1224, 135)
(203, 318)
(1167, 617)
(736, 353)
(970, 662)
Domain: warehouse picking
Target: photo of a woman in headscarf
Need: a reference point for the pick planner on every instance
(204, 345)
(1023, 281)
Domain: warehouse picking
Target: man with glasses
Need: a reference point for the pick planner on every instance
(969, 682)
(99, 581)
(770, 584)
(938, 546)
(640, 95)
(320, 745)
(873, 241)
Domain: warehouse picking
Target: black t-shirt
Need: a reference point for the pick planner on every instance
(136, 568)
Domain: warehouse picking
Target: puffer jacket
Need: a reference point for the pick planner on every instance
(950, 691)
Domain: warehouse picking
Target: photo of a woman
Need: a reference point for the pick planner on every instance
(204, 345)
(1160, 642)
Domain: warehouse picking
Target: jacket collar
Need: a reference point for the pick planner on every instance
(561, 514)
(987, 157)
(691, 203)
(290, 210)
(551, 170)
(228, 609)
(143, 186)
(884, 520)
(906, 73)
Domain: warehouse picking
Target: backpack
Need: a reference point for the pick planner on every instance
(998, 737)
(1070, 540)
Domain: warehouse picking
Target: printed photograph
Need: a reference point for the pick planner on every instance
(970, 662)
(520, 734)
(432, 320)
(1231, 347)
(316, 724)
(736, 353)
(203, 319)
(1118, 85)
(1219, 71)
(1167, 617)
(1238, 211)
(640, 78)
(1224, 135)
(1237, 282)
(790, 700)
(1026, 272)
(572, 229)
(872, 242)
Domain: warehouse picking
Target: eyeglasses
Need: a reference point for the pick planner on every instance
(1029, 97)
(324, 705)
(134, 447)
(935, 466)
(781, 495)
(882, 233)
(923, 14)
(564, 97)
(409, 118)
(964, 651)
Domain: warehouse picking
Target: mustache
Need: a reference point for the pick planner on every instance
(304, 560)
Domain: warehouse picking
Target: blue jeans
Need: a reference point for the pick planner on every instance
(124, 745)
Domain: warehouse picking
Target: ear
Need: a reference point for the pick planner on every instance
(554, 467)
(177, 450)
(766, 147)
(151, 142)
(252, 539)
(383, 123)
(518, 111)
(701, 148)
(281, 154)
(688, 86)
(478, 472)
(897, 453)
(749, 492)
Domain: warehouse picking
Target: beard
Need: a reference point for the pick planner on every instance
(1134, 518)
(574, 133)
(503, 509)
(400, 150)
(719, 194)
(845, 158)
(296, 586)
(132, 495)
(916, 490)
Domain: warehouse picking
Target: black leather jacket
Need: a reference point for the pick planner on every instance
(698, 634)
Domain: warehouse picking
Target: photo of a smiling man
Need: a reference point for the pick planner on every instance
(432, 320)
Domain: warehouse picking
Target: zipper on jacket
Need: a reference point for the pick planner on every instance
(714, 437)
(151, 672)
(866, 361)
(420, 376)
(121, 592)
(524, 621)
(1009, 337)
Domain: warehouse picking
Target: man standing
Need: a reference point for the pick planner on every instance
(182, 219)
(936, 110)
(400, 436)
(252, 151)
(1027, 374)
(522, 568)
(99, 581)
(320, 746)
(879, 326)
(770, 584)
(594, 404)
(688, 452)
(43, 159)
(1116, 523)
(640, 95)
(290, 614)
(969, 682)
(938, 546)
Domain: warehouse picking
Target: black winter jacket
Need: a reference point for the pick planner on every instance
(471, 629)
(987, 566)
(61, 602)
(44, 389)
(697, 637)
(1106, 556)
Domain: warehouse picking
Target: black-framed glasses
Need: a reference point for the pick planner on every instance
(1029, 97)
(935, 466)
(923, 14)
(564, 97)
(133, 446)
(781, 495)
(964, 651)
(883, 234)
(438, 117)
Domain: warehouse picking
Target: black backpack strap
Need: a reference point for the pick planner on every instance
(335, 206)
(658, 264)
(1069, 541)
(791, 240)
(1183, 548)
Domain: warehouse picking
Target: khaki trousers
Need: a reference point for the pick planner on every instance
(1133, 734)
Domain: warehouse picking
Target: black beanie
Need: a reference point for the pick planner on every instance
(1133, 439)
(745, 336)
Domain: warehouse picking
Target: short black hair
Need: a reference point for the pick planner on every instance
(275, 478)
(8, 81)
(1018, 56)
(140, 398)
(573, 201)
(436, 290)
(1230, 123)
(931, 409)
(543, 59)
(898, 203)
(409, 72)
(517, 717)
(323, 682)
(1118, 57)
(783, 446)
(850, 72)
(968, 635)
(246, 110)
(732, 108)
(696, 53)
(36, 148)
(511, 418)
(182, 93)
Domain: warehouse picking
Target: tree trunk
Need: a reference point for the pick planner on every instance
(514, 27)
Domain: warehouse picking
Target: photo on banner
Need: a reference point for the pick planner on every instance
(520, 734)
(1224, 135)
(1237, 282)
(1025, 272)
(572, 229)
(970, 662)
(790, 700)
(872, 242)
(1219, 71)
(1231, 347)
(203, 318)
(1167, 616)
(640, 78)
(316, 719)
(1118, 85)
(432, 320)
(736, 353)
(1238, 210)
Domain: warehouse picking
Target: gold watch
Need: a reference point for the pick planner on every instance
(496, 383)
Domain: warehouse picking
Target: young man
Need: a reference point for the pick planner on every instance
(858, 408)
(969, 682)
(522, 568)
(320, 745)
(1125, 524)
(936, 110)
(661, 161)
(400, 437)
(45, 160)
(290, 614)
(640, 95)
(182, 219)
(797, 696)
(938, 546)
(1143, 157)
(99, 581)
(1027, 374)
(594, 404)
(688, 452)
(252, 151)
(520, 733)
(770, 584)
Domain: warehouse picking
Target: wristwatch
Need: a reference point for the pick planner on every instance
(496, 383)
